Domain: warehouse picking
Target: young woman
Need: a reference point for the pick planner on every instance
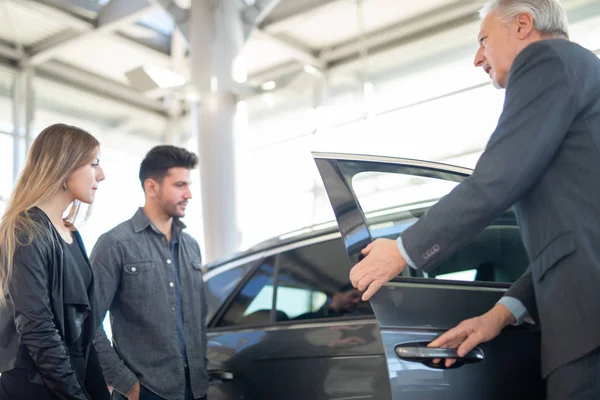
(47, 306)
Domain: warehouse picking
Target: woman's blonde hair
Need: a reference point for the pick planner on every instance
(57, 152)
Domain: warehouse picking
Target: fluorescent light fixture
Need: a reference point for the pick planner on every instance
(185, 4)
(239, 70)
(149, 78)
(312, 70)
(268, 85)
(163, 77)
(214, 84)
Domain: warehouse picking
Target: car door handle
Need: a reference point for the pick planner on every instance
(219, 375)
(418, 352)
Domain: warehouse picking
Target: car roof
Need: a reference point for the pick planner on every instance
(323, 229)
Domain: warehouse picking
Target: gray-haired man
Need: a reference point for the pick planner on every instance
(543, 158)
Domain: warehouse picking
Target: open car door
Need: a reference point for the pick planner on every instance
(379, 197)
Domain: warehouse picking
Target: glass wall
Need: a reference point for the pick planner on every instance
(423, 101)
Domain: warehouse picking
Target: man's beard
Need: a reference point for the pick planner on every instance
(171, 209)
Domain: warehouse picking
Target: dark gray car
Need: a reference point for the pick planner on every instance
(285, 324)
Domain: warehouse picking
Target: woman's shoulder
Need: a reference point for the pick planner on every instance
(34, 228)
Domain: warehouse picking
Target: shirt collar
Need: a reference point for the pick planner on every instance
(142, 222)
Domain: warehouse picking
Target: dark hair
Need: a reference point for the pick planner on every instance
(160, 159)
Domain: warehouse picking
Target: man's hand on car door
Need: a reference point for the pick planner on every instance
(472, 332)
(383, 261)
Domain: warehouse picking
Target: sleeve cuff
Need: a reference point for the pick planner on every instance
(125, 382)
(404, 253)
(515, 306)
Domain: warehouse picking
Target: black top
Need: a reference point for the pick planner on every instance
(76, 350)
(84, 267)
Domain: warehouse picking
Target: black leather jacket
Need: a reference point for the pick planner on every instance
(48, 308)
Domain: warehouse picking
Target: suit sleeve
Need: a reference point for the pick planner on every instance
(540, 106)
(34, 320)
(523, 291)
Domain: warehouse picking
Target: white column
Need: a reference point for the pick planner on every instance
(215, 40)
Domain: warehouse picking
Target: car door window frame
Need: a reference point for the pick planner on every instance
(229, 300)
(340, 169)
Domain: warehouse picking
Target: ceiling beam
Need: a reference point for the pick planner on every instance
(72, 12)
(421, 26)
(296, 51)
(253, 16)
(292, 9)
(10, 52)
(179, 16)
(105, 87)
(111, 17)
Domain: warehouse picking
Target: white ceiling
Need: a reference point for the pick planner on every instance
(295, 33)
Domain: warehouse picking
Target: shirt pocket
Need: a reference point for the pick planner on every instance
(139, 279)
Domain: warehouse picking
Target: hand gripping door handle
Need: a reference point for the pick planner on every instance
(418, 352)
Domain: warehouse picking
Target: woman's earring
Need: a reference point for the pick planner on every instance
(64, 185)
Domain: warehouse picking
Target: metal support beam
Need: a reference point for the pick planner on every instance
(23, 114)
(17, 98)
(295, 50)
(10, 53)
(292, 9)
(105, 87)
(74, 13)
(180, 16)
(114, 15)
(253, 16)
(29, 92)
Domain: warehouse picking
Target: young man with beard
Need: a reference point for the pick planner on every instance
(148, 275)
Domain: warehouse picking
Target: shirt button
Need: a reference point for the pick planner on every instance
(168, 261)
(172, 308)
(171, 284)
(133, 269)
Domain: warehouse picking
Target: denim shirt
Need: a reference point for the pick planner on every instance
(174, 247)
(135, 280)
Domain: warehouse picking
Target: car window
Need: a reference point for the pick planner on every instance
(220, 283)
(252, 305)
(393, 202)
(497, 254)
(313, 283)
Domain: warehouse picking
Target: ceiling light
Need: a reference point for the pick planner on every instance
(185, 4)
(268, 85)
(312, 70)
(163, 77)
(238, 70)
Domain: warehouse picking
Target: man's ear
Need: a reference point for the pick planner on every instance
(151, 187)
(525, 25)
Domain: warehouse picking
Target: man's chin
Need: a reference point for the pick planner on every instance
(177, 214)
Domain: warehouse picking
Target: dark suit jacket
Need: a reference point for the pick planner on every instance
(544, 158)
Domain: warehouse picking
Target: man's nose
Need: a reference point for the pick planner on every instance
(479, 58)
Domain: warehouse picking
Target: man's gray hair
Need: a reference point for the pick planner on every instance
(549, 17)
